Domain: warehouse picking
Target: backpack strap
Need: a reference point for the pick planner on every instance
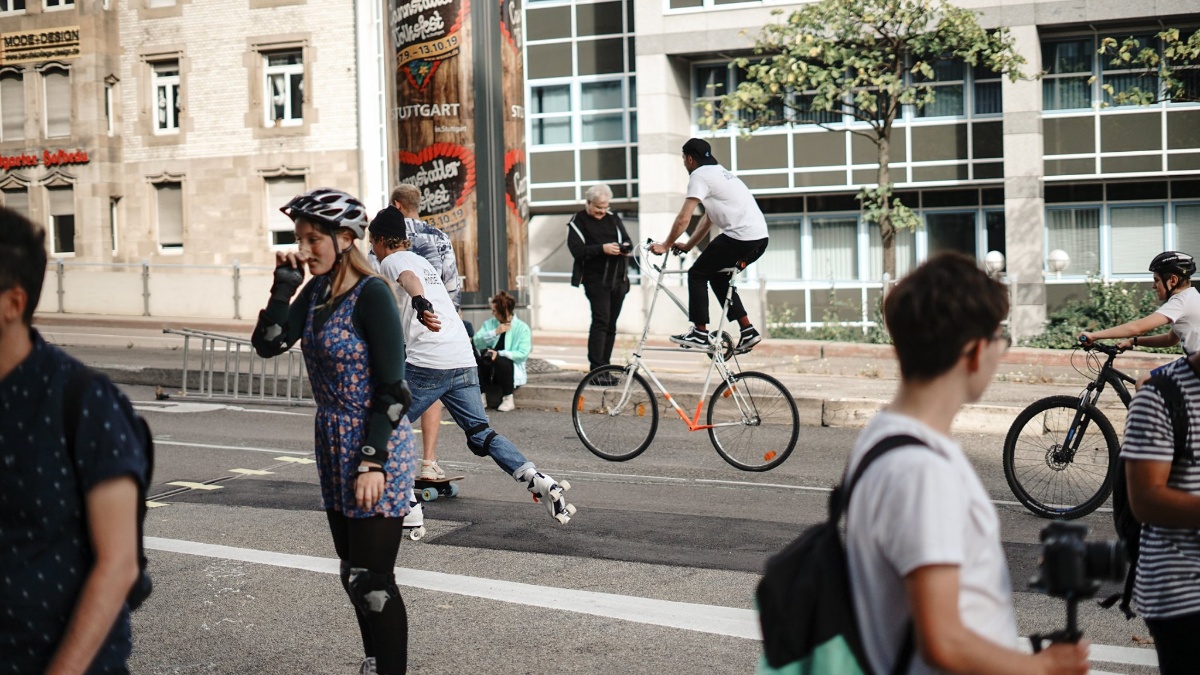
(840, 500)
(1172, 397)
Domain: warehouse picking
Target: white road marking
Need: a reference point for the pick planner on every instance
(227, 447)
(197, 407)
(714, 619)
(192, 485)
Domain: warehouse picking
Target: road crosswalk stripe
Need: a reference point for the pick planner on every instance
(714, 619)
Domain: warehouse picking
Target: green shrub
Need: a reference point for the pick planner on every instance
(779, 318)
(1106, 305)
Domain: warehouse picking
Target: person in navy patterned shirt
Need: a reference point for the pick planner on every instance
(68, 531)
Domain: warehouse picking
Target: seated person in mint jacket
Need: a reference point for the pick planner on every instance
(504, 343)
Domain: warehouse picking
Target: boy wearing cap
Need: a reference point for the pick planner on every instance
(729, 205)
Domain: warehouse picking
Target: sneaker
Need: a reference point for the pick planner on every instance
(605, 380)
(483, 397)
(507, 404)
(431, 471)
(750, 337)
(692, 339)
(367, 667)
(550, 493)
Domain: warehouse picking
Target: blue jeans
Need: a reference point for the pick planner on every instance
(458, 390)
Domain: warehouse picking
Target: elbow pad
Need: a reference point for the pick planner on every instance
(269, 338)
(392, 400)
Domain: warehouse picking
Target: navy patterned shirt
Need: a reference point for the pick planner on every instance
(45, 551)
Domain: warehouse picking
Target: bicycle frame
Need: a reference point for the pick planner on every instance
(1108, 375)
(718, 363)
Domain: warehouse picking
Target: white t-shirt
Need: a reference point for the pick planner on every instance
(1183, 309)
(728, 202)
(918, 506)
(446, 349)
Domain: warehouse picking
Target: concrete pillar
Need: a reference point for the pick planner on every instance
(1024, 203)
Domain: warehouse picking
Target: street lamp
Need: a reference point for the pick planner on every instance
(993, 262)
(1057, 261)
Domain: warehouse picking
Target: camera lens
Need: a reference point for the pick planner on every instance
(1105, 560)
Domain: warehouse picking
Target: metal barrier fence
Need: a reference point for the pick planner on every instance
(244, 374)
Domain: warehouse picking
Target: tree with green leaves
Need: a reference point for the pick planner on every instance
(1169, 65)
(866, 59)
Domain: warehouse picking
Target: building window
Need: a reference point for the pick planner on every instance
(152, 4)
(12, 107)
(1136, 235)
(59, 4)
(165, 78)
(109, 112)
(112, 222)
(1076, 231)
(986, 92)
(284, 88)
(710, 84)
(17, 199)
(948, 83)
(1068, 67)
(58, 102)
(835, 247)
(62, 218)
(550, 113)
(1123, 78)
(906, 252)
(12, 6)
(169, 199)
(279, 191)
(1187, 227)
(603, 108)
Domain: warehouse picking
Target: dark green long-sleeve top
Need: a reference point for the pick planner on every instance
(377, 321)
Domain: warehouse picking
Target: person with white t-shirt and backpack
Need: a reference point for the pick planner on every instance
(1173, 272)
(729, 205)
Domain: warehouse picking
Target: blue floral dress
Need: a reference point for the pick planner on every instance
(338, 368)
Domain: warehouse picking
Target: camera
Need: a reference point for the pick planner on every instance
(1073, 568)
(626, 247)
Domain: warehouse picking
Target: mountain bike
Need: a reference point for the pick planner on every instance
(1061, 452)
(752, 419)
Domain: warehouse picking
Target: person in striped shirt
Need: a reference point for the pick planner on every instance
(1165, 497)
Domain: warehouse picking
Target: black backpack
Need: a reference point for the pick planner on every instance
(1128, 527)
(80, 382)
(805, 606)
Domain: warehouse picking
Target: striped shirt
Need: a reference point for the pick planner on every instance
(1168, 573)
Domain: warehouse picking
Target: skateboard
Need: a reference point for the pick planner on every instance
(429, 490)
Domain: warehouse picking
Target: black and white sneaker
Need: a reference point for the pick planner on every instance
(750, 337)
(694, 338)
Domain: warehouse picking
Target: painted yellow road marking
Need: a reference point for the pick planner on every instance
(252, 472)
(296, 460)
(195, 486)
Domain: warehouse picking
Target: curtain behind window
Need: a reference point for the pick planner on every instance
(58, 103)
(170, 214)
(1076, 231)
(1187, 229)
(835, 248)
(1137, 236)
(12, 107)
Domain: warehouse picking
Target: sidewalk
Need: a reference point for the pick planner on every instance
(834, 384)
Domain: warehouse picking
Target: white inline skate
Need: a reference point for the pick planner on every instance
(547, 491)
(414, 520)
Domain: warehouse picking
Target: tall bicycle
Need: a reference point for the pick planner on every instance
(752, 419)
(1061, 452)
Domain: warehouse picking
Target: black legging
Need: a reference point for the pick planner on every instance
(498, 373)
(1175, 643)
(722, 252)
(373, 543)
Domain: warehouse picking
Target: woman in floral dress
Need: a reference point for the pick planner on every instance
(348, 324)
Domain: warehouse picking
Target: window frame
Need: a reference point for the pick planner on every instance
(13, 11)
(158, 83)
(287, 73)
(156, 184)
(52, 224)
(57, 6)
(55, 67)
(18, 75)
(271, 209)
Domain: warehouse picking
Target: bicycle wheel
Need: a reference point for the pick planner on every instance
(754, 423)
(614, 413)
(1044, 474)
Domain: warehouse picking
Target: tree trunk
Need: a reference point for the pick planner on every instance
(887, 232)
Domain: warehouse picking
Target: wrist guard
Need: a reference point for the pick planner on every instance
(287, 280)
(422, 305)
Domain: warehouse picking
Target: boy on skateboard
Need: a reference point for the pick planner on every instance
(440, 364)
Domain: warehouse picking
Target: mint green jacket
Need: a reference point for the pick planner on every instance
(517, 344)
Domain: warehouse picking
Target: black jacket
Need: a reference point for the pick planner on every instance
(586, 237)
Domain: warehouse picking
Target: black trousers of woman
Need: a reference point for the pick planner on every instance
(1175, 642)
(498, 373)
(602, 334)
(373, 543)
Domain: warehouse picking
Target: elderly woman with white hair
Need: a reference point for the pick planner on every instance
(600, 245)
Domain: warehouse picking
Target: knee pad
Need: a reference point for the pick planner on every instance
(477, 448)
(371, 592)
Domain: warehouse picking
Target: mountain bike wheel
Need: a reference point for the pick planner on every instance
(1044, 475)
(754, 423)
(611, 425)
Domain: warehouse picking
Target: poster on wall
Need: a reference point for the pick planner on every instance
(516, 183)
(434, 118)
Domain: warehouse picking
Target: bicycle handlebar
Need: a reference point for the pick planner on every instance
(1111, 350)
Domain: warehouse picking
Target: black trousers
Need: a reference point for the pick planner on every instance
(498, 373)
(373, 543)
(1176, 644)
(721, 253)
(602, 334)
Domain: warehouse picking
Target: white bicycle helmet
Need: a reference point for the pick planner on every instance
(331, 208)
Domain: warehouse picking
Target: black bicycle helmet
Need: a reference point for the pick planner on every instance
(329, 207)
(1173, 262)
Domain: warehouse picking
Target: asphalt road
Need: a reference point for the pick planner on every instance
(655, 574)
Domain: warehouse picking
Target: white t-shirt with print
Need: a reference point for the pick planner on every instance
(446, 349)
(728, 202)
(1183, 309)
(918, 506)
